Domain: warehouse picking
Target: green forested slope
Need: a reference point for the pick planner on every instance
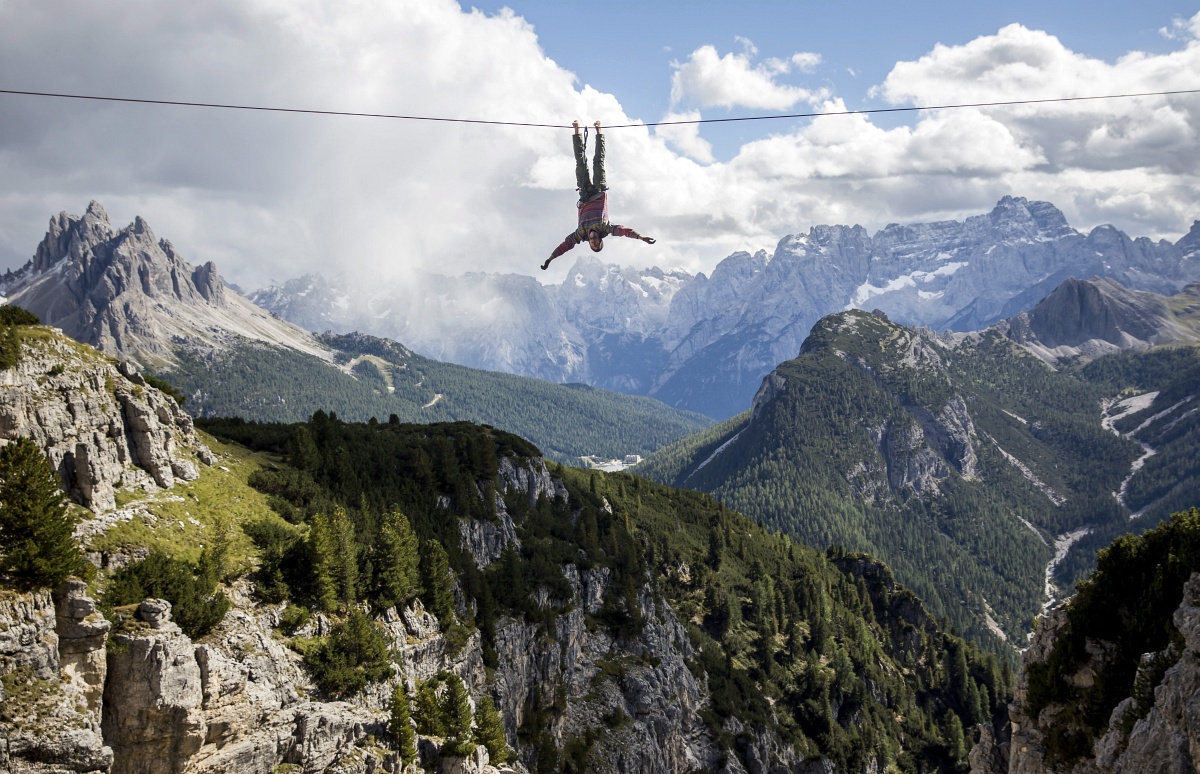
(382, 378)
(825, 649)
(956, 465)
(1168, 480)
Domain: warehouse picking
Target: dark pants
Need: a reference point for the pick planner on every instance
(589, 187)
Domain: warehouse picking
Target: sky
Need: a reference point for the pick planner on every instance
(270, 196)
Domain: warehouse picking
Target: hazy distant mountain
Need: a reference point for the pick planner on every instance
(599, 327)
(133, 297)
(705, 342)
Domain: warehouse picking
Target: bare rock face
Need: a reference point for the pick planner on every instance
(82, 634)
(1097, 317)
(52, 657)
(1028, 749)
(27, 638)
(1168, 739)
(653, 691)
(99, 422)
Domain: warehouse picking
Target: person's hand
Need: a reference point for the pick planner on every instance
(647, 240)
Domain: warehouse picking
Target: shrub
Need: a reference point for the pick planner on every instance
(355, 653)
(15, 315)
(196, 605)
(165, 387)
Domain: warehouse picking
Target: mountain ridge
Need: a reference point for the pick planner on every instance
(722, 332)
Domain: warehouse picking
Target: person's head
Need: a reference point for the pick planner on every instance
(595, 241)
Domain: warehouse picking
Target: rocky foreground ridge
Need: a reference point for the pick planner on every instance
(147, 699)
(81, 693)
(1163, 736)
(142, 697)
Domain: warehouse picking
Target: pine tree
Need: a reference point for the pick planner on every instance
(489, 731)
(37, 546)
(456, 709)
(355, 653)
(428, 710)
(336, 570)
(435, 576)
(952, 732)
(396, 561)
(400, 727)
(302, 450)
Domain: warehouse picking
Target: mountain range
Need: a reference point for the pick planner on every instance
(133, 297)
(704, 342)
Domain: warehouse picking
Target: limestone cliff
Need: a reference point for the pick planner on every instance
(53, 669)
(99, 422)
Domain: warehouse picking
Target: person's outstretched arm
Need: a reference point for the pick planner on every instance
(628, 232)
(566, 245)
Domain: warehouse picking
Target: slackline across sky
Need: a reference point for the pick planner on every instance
(870, 111)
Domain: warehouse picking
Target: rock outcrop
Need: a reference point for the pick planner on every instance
(1098, 317)
(99, 422)
(1165, 739)
(53, 668)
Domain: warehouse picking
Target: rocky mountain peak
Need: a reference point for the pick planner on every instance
(1035, 219)
(70, 235)
(132, 295)
(1189, 245)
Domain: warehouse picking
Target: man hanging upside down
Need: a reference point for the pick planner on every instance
(593, 203)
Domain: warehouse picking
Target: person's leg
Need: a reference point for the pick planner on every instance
(598, 162)
(581, 171)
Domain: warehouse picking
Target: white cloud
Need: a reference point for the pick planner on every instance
(805, 61)
(271, 196)
(686, 136)
(1079, 153)
(708, 79)
(1182, 29)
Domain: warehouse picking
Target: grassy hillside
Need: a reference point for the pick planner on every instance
(379, 378)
